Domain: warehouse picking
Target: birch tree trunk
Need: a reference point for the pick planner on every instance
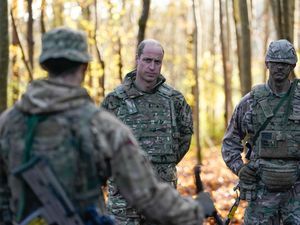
(101, 79)
(227, 70)
(196, 91)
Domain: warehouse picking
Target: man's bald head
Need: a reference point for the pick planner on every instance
(147, 42)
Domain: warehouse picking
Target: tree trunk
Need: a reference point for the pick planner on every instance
(119, 44)
(15, 68)
(246, 47)
(4, 54)
(196, 91)
(266, 19)
(85, 22)
(212, 48)
(58, 8)
(243, 44)
(30, 41)
(143, 21)
(238, 33)
(14, 27)
(101, 80)
(226, 60)
(119, 52)
(283, 16)
(42, 19)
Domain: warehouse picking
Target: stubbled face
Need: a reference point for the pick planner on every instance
(279, 71)
(149, 63)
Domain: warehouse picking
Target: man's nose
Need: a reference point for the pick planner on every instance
(152, 65)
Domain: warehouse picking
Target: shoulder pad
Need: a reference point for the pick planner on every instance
(120, 92)
(297, 88)
(4, 116)
(166, 90)
(259, 91)
(298, 83)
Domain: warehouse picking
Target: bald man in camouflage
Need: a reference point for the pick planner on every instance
(268, 118)
(159, 117)
(57, 122)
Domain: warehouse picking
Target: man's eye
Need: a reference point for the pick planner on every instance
(157, 62)
(147, 60)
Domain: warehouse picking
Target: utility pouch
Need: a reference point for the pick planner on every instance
(248, 191)
(279, 177)
(273, 145)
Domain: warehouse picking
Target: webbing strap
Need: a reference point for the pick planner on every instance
(32, 122)
(288, 96)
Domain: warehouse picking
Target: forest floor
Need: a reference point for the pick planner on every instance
(217, 179)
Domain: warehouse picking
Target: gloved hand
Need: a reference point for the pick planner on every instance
(247, 174)
(207, 204)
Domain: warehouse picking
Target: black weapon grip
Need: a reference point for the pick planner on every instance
(249, 150)
(198, 181)
(199, 188)
(227, 221)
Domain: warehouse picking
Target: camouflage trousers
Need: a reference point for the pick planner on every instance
(274, 208)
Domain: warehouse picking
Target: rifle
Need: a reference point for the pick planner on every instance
(199, 188)
(56, 207)
(217, 217)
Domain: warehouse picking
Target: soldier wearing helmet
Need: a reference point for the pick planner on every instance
(268, 120)
(80, 146)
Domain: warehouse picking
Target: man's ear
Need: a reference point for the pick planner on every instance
(136, 60)
(267, 65)
(84, 67)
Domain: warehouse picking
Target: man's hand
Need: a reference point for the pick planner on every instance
(247, 173)
(207, 204)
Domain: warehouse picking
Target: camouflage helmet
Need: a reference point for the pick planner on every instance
(65, 43)
(281, 51)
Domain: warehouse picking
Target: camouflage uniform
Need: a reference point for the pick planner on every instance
(162, 123)
(84, 146)
(275, 195)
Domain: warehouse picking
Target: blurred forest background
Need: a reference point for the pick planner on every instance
(214, 51)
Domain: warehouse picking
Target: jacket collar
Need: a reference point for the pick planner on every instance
(131, 89)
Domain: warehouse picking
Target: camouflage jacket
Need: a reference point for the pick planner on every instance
(248, 117)
(112, 152)
(151, 118)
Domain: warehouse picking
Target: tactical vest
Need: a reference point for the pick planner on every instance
(65, 140)
(152, 119)
(278, 145)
